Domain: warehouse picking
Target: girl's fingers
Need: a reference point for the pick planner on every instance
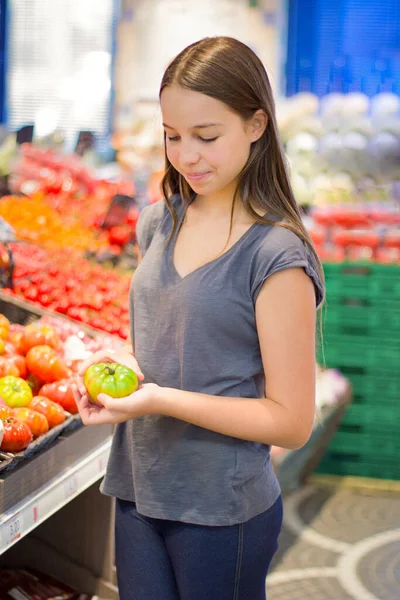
(76, 393)
(104, 399)
(97, 357)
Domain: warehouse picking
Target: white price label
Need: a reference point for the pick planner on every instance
(12, 529)
(71, 486)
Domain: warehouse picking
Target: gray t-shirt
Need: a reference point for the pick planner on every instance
(198, 333)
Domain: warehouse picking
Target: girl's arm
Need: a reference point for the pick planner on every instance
(286, 317)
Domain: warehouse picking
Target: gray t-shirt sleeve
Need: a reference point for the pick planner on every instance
(283, 249)
(149, 219)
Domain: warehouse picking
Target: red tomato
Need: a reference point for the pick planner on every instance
(20, 362)
(7, 367)
(10, 349)
(15, 339)
(46, 365)
(120, 235)
(39, 335)
(61, 392)
(31, 293)
(17, 435)
(53, 412)
(62, 306)
(14, 327)
(35, 420)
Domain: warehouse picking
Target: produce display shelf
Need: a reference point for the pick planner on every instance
(25, 312)
(23, 517)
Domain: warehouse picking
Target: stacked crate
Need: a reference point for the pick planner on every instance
(362, 339)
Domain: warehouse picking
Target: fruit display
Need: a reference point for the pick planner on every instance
(34, 220)
(356, 233)
(65, 177)
(61, 186)
(72, 286)
(112, 379)
(36, 387)
(342, 147)
(59, 203)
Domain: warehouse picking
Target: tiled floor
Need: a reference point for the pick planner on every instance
(338, 544)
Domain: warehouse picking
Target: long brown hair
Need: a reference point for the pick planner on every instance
(228, 70)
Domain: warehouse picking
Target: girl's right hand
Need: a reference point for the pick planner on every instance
(122, 357)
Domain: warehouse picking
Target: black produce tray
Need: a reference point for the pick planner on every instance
(31, 474)
(24, 312)
(12, 458)
(15, 312)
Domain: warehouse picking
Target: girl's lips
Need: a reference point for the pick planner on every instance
(197, 176)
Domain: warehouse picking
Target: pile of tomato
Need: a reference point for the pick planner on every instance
(35, 221)
(66, 283)
(36, 383)
(64, 204)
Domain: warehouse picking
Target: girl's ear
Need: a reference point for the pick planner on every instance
(259, 123)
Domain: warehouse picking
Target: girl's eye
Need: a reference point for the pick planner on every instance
(205, 140)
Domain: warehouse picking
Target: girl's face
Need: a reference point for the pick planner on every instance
(206, 142)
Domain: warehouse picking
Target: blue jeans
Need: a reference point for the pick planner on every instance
(168, 560)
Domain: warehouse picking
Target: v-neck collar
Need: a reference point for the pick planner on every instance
(172, 244)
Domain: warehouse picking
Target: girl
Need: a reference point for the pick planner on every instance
(223, 312)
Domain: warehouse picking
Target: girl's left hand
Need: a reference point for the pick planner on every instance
(118, 410)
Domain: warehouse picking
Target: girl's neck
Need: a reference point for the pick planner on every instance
(220, 209)
(217, 205)
(212, 206)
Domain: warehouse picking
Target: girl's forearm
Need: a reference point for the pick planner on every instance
(253, 419)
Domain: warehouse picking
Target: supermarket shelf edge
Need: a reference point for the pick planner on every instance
(22, 518)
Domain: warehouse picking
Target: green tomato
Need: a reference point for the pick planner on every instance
(15, 392)
(112, 379)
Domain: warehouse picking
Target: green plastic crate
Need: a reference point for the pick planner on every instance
(366, 445)
(345, 293)
(359, 269)
(346, 351)
(375, 389)
(359, 468)
(373, 417)
(363, 282)
(380, 322)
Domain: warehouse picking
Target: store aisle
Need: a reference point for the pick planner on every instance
(338, 544)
